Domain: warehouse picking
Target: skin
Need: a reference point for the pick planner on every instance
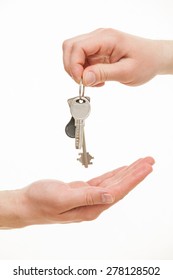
(102, 55)
(51, 201)
(111, 55)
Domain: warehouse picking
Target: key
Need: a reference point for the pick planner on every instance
(80, 109)
(70, 128)
(85, 157)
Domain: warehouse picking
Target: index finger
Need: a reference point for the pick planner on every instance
(67, 49)
(75, 53)
(77, 50)
(121, 187)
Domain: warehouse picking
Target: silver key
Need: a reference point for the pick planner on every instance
(85, 157)
(80, 109)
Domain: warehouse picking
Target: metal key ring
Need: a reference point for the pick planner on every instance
(81, 89)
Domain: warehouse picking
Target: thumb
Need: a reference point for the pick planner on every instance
(88, 196)
(99, 73)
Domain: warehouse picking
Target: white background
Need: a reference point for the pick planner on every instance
(125, 123)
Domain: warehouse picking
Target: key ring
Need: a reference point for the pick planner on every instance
(81, 89)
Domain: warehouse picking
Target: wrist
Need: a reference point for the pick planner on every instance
(165, 57)
(12, 209)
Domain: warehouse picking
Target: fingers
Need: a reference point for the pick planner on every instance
(74, 55)
(98, 73)
(130, 178)
(121, 71)
(126, 171)
(78, 184)
(100, 179)
(118, 183)
(85, 196)
(99, 46)
(84, 213)
(124, 179)
(106, 179)
(110, 55)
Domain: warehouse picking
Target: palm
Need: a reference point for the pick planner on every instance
(56, 201)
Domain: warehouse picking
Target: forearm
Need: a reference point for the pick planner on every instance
(166, 57)
(12, 209)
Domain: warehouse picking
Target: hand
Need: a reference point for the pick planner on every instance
(111, 55)
(51, 201)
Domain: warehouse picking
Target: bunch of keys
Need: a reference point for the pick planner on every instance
(80, 109)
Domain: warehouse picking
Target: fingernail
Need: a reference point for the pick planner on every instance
(89, 78)
(107, 198)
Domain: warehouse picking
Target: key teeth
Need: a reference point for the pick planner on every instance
(89, 158)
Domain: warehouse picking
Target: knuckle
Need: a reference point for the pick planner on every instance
(102, 76)
(66, 44)
(77, 46)
(109, 30)
(106, 31)
(89, 199)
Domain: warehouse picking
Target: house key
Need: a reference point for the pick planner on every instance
(80, 110)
